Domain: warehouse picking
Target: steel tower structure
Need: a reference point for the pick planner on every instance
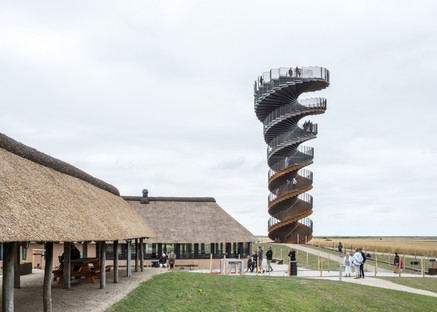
(279, 107)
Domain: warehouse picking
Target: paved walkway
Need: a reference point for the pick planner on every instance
(370, 280)
(370, 268)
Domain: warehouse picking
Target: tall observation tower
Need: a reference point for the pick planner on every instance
(286, 126)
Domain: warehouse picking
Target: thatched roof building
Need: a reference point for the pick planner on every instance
(47, 200)
(189, 220)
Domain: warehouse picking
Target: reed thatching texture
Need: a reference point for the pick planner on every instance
(38, 203)
(36, 156)
(189, 220)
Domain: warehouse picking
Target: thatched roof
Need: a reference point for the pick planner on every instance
(189, 220)
(45, 199)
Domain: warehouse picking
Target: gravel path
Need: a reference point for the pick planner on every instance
(81, 296)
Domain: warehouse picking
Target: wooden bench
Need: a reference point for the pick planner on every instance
(183, 266)
(89, 276)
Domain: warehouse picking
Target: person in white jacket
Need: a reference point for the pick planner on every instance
(347, 262)
(357, 260)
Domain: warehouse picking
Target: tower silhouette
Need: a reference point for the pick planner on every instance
(279, 107)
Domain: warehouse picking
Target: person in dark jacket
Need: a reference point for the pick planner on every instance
(269, 257)
(362, 263)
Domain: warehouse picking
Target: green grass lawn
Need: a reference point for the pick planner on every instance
(185, 291)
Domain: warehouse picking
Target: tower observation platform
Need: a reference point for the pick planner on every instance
(280, 108)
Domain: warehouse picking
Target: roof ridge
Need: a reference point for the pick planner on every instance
(177, 199)
(45, 160)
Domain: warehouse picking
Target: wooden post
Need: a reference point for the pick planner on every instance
(115, 261)
(17, 266)
(297, 238)
(307, 262)
(142, 254)
(67, 265)
(128, 262)
(401, 266)
(329, 262)
(320, 265)
(210, 262)
(102, 265)
(47, 288)
(422, 266)
(136, 254)
(9, 254)
(376, 262)
(85, 249)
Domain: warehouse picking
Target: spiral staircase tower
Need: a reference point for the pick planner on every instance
(279, 107)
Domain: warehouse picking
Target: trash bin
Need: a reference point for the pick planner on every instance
(293, 268)
(155, 264)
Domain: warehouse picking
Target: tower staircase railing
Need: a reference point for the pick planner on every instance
(295, 108)
(300, 156)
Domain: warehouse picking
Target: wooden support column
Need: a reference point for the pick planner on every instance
(136, 254)
(102, 257)
(128, 261)
(142, 254)
(67, 265)
(9, 254)
(115, 261)
(17, 266)
(85, 249)
(47, 288)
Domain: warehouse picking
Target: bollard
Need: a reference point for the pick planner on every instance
(210, 263)
(224, 264)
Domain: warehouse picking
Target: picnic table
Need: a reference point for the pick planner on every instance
(88, 268)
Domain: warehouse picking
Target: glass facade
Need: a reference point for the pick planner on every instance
(183, 251)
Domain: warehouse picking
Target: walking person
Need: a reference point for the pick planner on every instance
(347, 262)
(269, 257)
(340, 249)
(357, 259)
(260, 259)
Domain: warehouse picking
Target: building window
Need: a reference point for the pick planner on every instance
(23, 252)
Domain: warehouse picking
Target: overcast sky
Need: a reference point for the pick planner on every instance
(159, 95)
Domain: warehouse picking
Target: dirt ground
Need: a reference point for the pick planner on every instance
(81, 296)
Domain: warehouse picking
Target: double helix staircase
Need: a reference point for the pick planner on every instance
(279, 107)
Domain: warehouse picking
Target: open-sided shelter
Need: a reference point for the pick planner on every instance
(43, 199)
